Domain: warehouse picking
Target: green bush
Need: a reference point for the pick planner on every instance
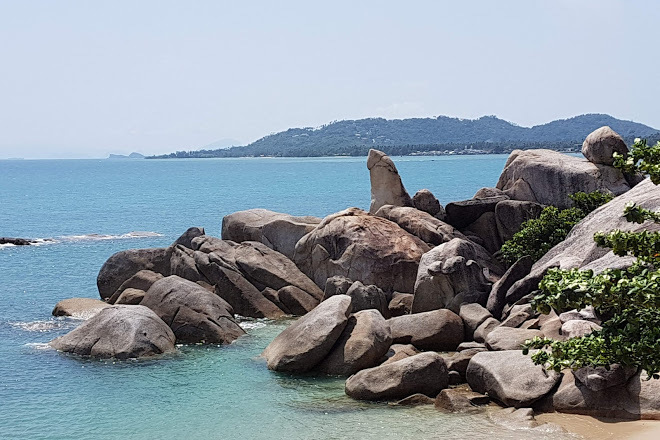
(628, 300)
(537, 236)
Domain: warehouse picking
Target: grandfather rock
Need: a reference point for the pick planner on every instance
(120, 332)
(386, 185)
(509, 377)
(363, 343)
(278, 231)
(307, 341)
(435, 330)
(424, 373)
(361, 247)
(193, 313)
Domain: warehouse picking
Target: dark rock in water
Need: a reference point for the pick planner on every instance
(120, 332)
(364, 341)
(142, 280)
(296, 301)
(386, 185)
(460, 214)
(16, 241)
(420, 224)
(336, 285)
(497, 296)
(601, 144)
(306, 342)
(245, 299)
(265, 267)
(435, 330)
(549, 177)
(511, 214)
(510, 377)
(398, 352)
(368, 297)
(424, 373)
(416, 400)
(400, 304)
(124, 264)
(83, 308)
(278, 231)
(460, 399)
(456, 267)
(194, 314)
(131, 296)
(187, 237)
(425, 201)
(361, 247)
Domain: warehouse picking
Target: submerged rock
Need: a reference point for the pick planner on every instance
(386, 185)
(120, 332)
(307, 341)
(424, 373)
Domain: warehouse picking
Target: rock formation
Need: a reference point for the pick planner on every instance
(386, 185)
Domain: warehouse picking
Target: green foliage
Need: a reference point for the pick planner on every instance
(628, 300)
(641, 158)
(537, 236)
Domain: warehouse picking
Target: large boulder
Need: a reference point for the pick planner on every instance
(307, 341)
(440, 330)
(508, 338)
(124, 264)
(296, 301)
(548, 177)
(193, 313)
(601, 144)
(484, 228)
(142, 280)
(362, 247)
(187, 237)
(278, 231)
(424, 373)
(265, 267)
(580, 250)
(638, 398)
(81, 308)
(424, 200)
(509, 377)
(121, 332)
(368, 297)
(458, 268)
(511, 214)
(244, 298)
(420, 224)
(363, 343)
(460, 214)
(386, 185)
(336, 285)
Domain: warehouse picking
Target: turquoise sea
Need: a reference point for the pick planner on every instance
(93, 208)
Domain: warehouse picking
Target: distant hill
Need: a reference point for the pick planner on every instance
(130, 156)
(443, 134)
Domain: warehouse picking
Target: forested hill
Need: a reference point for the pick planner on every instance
(427, 136)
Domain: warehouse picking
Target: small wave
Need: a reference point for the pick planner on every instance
(246, 325)
(43, 326)
(98, 237)
(7, 245)
(39, 345)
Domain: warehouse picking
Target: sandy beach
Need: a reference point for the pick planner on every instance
(604, 429)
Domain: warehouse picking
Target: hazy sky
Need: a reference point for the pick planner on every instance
(88, 78)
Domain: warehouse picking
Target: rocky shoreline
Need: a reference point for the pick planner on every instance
(408, 301)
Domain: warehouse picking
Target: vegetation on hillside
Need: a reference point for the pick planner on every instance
(627, 300)
(537, 236)
(425, 136)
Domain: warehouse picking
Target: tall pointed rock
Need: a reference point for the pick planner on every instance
(386, 185)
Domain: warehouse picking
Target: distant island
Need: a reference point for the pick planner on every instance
(426, 136)
(130, 156)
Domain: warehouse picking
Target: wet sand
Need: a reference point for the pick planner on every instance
(604, 429)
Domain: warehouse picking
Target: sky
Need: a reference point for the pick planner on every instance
(82, 79)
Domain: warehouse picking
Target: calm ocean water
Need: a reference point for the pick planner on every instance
(93, 208)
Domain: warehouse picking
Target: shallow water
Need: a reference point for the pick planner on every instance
(93, 208)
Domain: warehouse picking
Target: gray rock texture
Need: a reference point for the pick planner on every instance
(386, 185)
